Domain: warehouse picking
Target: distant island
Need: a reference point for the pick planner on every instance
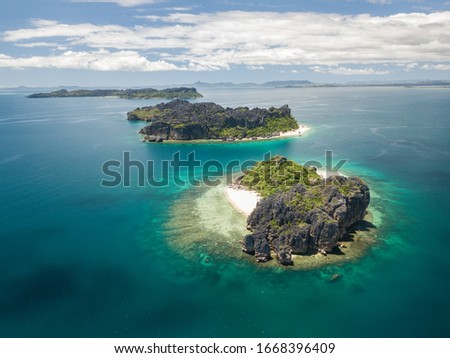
(143, 93)
(182, 120)
(250, 85)
(309, 84)
(298, 212)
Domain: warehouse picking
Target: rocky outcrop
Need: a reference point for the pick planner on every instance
(307, 219)
(258, 245)
(182, 120)
(153, 138)
(166, 131)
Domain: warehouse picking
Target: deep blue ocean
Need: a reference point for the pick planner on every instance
(81, 260)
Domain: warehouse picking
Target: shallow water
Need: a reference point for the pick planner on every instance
(80, 260)
(204, 224)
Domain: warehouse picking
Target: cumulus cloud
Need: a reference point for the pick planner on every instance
(182, 8)
(340, 70)
(437, 67)
(408, 67)
(383, 2)
(255, 68)
(39, 44)
(413, 66)
(100, 60)
(124, 3)
(212, 41)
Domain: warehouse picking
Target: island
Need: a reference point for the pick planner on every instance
(142, 93)
(298, 212)
(183, 120)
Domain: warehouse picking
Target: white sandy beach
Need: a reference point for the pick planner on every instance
(300, 131)
(326, 174)
(243, 200)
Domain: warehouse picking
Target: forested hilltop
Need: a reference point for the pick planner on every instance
(182, 120)
(142, 93)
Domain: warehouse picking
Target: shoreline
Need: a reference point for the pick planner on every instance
(244, 201)
(202, 214)
(353, 246)
(241, 199)
(302, 130)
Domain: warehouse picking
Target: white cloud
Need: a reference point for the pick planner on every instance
(255, 68)
(383, 2)
(413, 66)
(182, 8)
(438, 67)
(38, 44)
(408, 67)
(212, 41)
(124, 3)
(340, 70)
(100, 60)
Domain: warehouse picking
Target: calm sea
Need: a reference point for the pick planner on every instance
(81, 260)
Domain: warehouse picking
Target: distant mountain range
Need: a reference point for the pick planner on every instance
(270, 84)
(252, 84)
(304, 83)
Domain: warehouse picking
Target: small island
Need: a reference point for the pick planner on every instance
(142, 93)
(182, 120)
(298, 212)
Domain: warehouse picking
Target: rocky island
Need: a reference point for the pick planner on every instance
(299, 212)
(182, 120)
(142, 93)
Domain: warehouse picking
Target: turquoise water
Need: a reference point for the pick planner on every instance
(81, 260)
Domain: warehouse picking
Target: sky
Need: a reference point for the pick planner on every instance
(125, 43)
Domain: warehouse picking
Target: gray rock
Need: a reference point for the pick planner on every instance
(284, 255)
(306, 219)
(150, 138)
(262, 249)
(258, 245)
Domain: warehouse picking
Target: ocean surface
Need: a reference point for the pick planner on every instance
(78, 259)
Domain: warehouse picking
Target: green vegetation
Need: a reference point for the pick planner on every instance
(272, 127)
(143, 93)
(277, 174)
(233, 132)
(145, 114)
(304, 203)
(282, 124)
(345, 188)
